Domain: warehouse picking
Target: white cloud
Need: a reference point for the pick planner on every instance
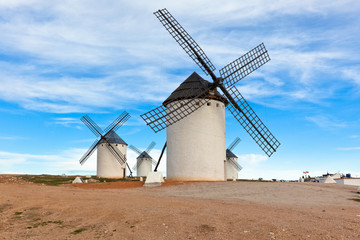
(251, 159)
(66, 161)
(354, 136)
(62, 162)
(10, 138)
(348, 148)
(52, 48)
(352, 73)
(324, 121)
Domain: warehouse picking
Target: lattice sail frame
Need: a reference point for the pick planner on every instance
(252, 123)
(150, 147)
(184, 39)
(235, 164)
(244, 65)
(234, 143)
(98, 132)
(138, 151)
(162, 117)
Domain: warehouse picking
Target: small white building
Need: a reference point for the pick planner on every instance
(107, 165)
(196, 144)
(348, 181)
(144, 164)
(232, 167)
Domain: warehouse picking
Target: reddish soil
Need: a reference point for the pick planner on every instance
(117, 185)
(218, 210)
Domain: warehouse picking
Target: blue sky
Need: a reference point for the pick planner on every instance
(60, 60)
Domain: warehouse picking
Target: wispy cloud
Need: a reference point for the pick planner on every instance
(68, 122)
(325, 121)
(10, 137)
(252, 159)
(354, 136)
(57, 58)
(66, 161)
(348, 148)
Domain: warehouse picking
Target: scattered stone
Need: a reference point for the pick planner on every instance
(78, 180)
(329, 179)
(154, 179)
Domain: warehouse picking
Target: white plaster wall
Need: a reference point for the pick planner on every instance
(349, 181)
(196, 145)
(231, 172)
(144, 168)
(107, 165)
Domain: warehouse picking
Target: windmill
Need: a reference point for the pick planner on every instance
(196, 144)
(144, 161)
(111, 154)
(232, 167)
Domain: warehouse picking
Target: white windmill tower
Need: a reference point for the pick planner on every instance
(144, 161)
(232, 167)
(196, 144)
(111, 155)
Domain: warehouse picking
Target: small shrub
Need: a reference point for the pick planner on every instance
(78, 231)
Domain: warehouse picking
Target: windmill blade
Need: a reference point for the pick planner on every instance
(118, 122)
(243, 66)
(135, 166)
(89, 152)
(92, 125)
(185, 41)
(150, 147)
(138, 162)
(246, 116)
(154, 162)
(162, 117)
(234, 143)
(235, 164)
(135, 149)
(120, 157)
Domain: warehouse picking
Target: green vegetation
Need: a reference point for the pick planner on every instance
(355, 199)
(55, 180)
(52, 180)
(114, 179)
(18, 213)
(205, 228)
(251, 180)
(45, 223)
(78, 231)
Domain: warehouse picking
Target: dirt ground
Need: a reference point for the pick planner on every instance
(197, 210)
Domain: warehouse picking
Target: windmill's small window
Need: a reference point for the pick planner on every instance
(217, 105)
(209, 104)
(115, 144)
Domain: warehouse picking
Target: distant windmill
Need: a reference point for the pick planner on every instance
(196, 144)
(111, 154)
(144, 161)
(232, 167)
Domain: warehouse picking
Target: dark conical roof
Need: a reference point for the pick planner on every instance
(230, 154)
(192, 87)
(144, 154)
(112, 137)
